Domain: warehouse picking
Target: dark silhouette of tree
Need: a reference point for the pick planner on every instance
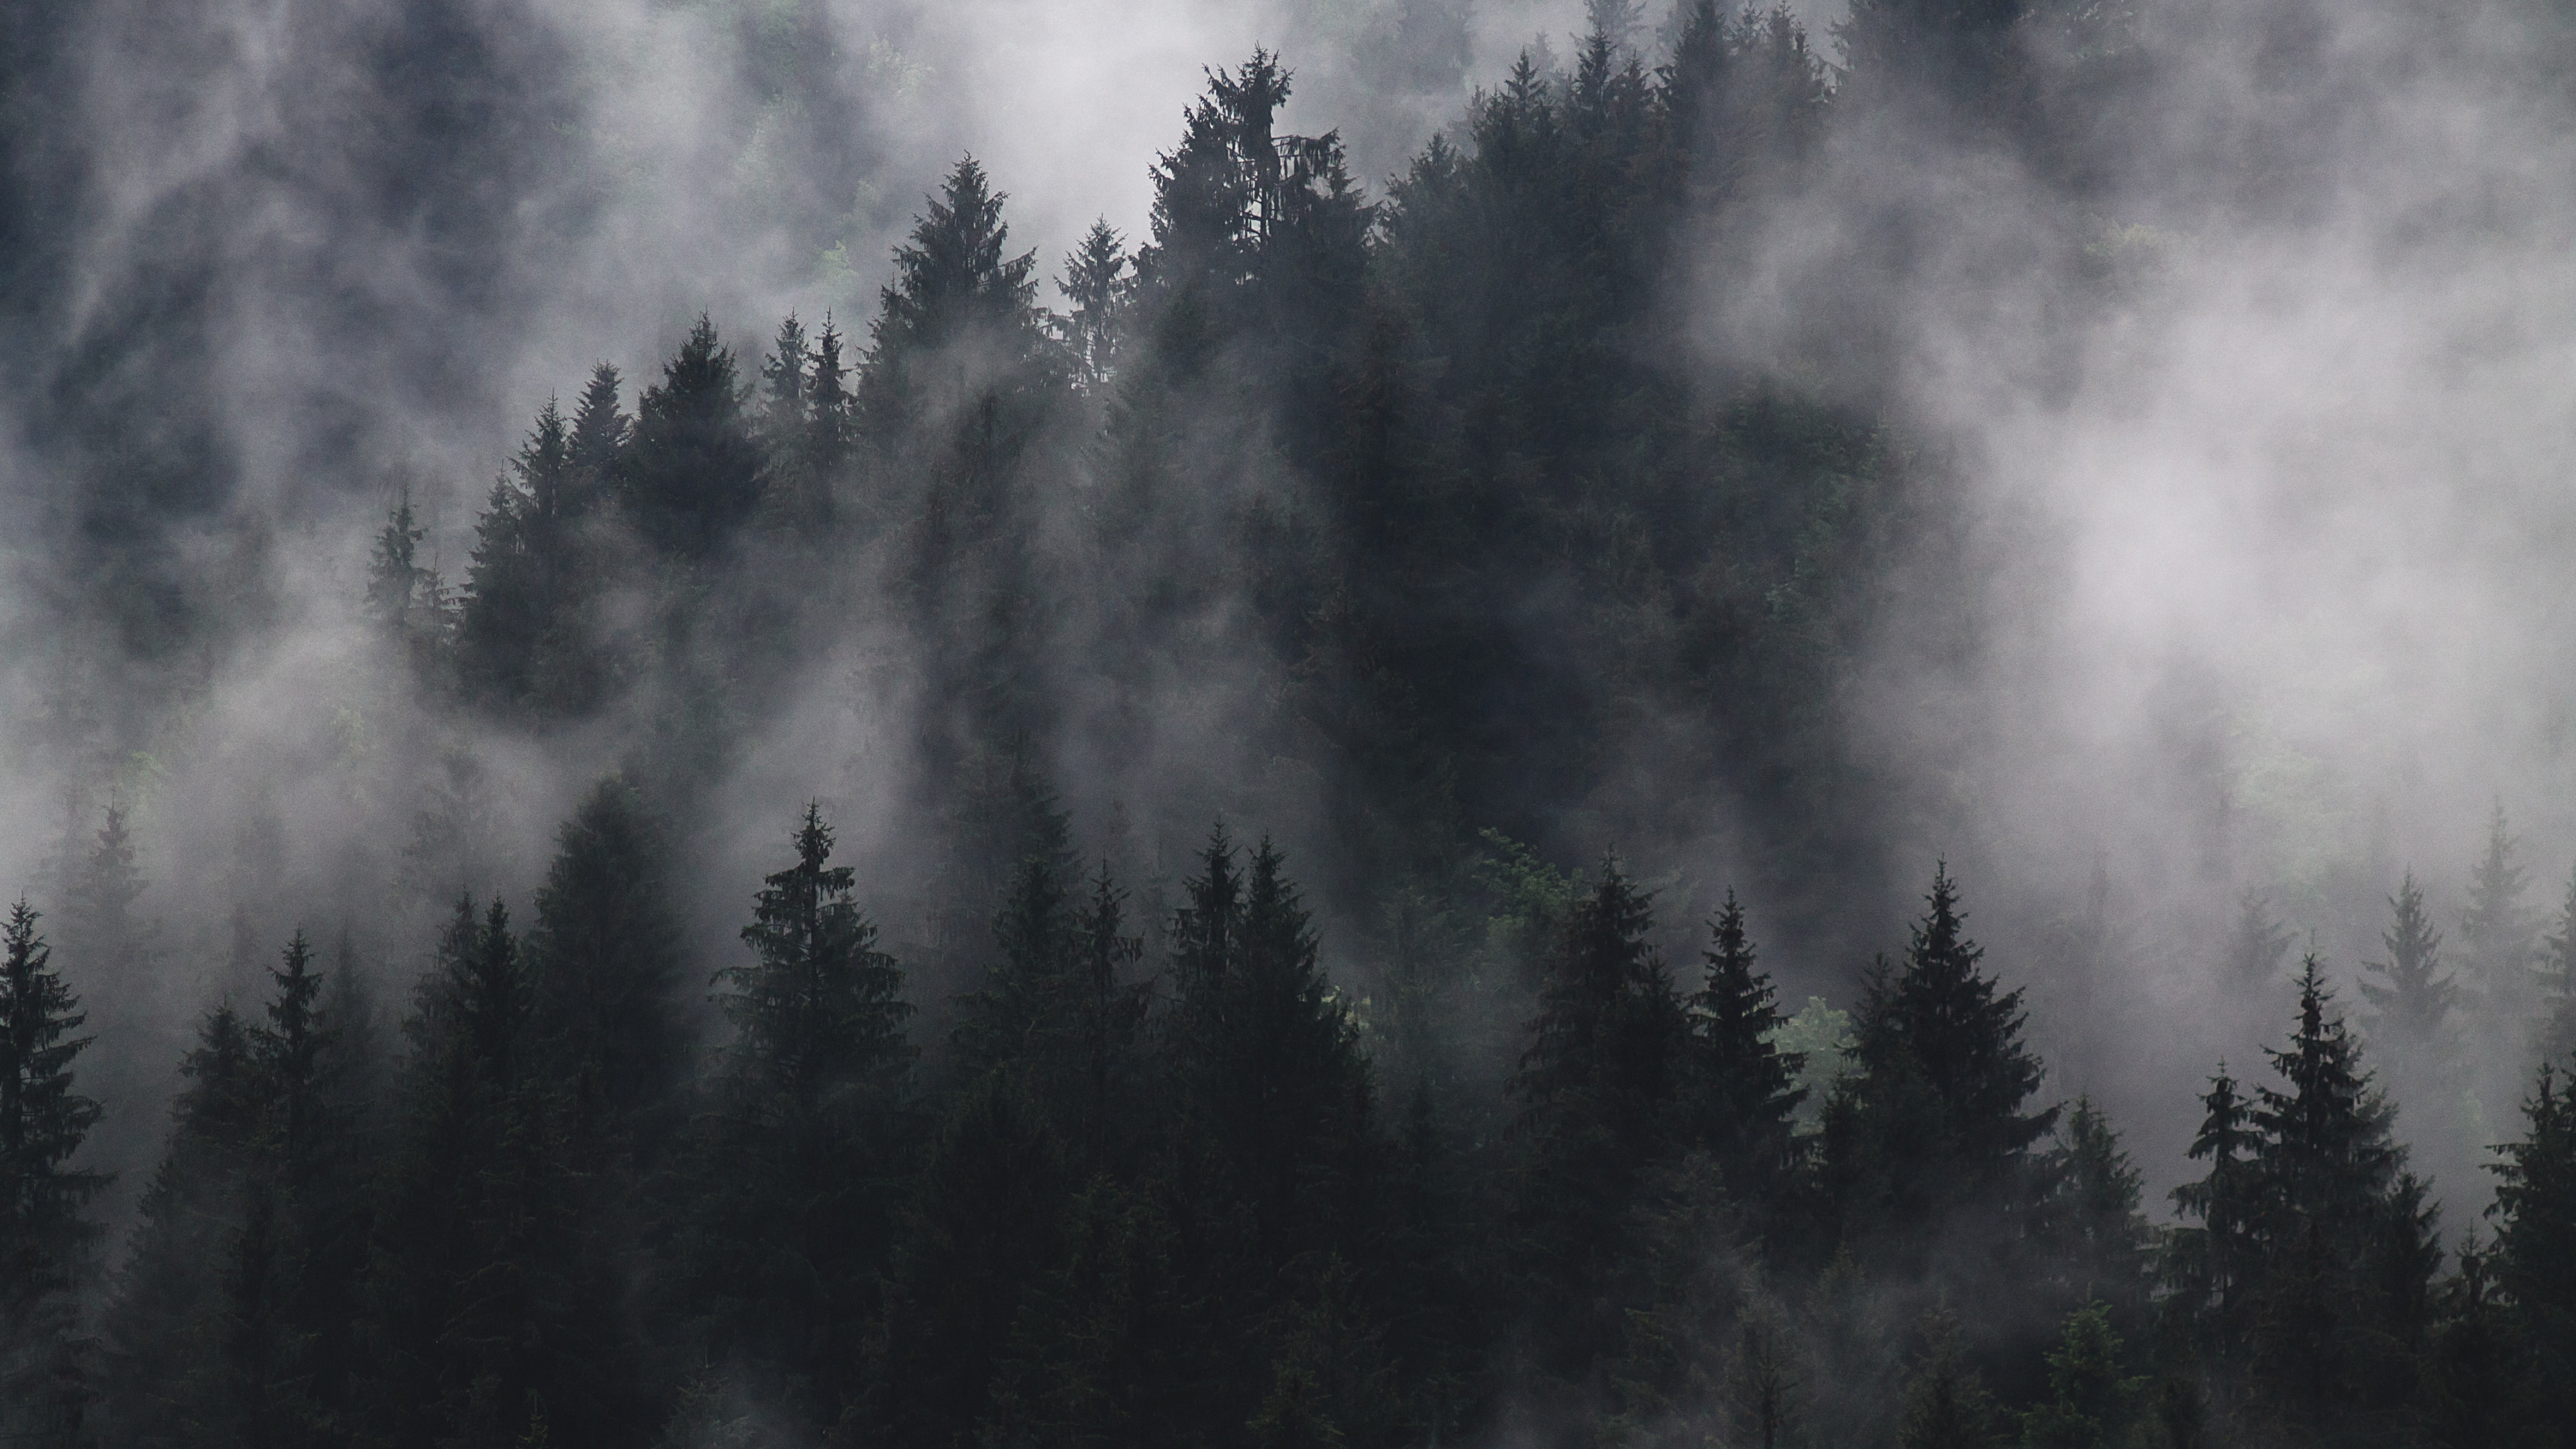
(48, 1251)
(1748, 1087)
(794, 1172)
(695, 467)
(2413, 995)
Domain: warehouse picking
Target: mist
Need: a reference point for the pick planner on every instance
(2105, 459)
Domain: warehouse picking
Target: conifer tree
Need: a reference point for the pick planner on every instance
(1748, 1086)
(2105, 1235)
(109, 953)
(2535, 1247)
(960, 304)
(828, 421)
(1599, 1096)
(164, 1333)
(1932, 1122)
(695, 467)
(1095, 282)
(2342, 1232)
(522, 632)
(2554, 1035)
(2413, 995)
(2497, 931)
(600, 432)
(1946, 1406)
(2255, 942)
(2213, 1263)
(793, 1173)
(47, 1241)
(1271, 1069)
(488, 1307)
(2092, 1403)
(406, 598)
(606, 964)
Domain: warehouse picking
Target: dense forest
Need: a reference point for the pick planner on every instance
(1338, 696)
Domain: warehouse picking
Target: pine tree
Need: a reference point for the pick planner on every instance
(47, 1242)
(2535, 1248)
(2554, 1036)
(2213, 1263)
(601, 431)
(2342, 1234)
(164, 1331)
(1095, 282)
(1599, 1097)
(2091, 1402)
(2255, 943)
(1748, 1087)
(793, 1197)
(2497, 930)
(1931, 1122)
(2413, 996)
(695, 468)
(606, 962)
(1946, 1407)
(2105, 1235)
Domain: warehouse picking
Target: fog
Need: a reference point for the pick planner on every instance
(2251, 574)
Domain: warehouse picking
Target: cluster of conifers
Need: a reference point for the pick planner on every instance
(1161, 1201)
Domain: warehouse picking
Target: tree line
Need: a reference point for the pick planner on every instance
(1449, 470)
(1169, 1196)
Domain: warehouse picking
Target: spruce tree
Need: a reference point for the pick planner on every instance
(793, 1169)
(827, 403)
(2212, 1264)
(48, 1244)
(1748, 1092)
(2497, 931)
(1931, 1122)
(606, 963)
(2535, 1246)
(695, 466)
(2343, 1238)
(600, 432)
(165, 1333)
(2413, 995)
(2254, 943)
(2554, 1035)
(1598, 1093)
(2104, 1235)
(1095, 282)
(2091, 1402)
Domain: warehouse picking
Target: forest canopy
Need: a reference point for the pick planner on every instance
(1348, 719)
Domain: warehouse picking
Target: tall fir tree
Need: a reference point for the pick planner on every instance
(2535, 1248)
(2498, 932)
(1599, 1098)
(793, 1175)
(606, 964)
(1930, 1131)
(2343, 1239)
(695, 467)
(1747, 1088)
(2413, 996)
(48, 1243)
